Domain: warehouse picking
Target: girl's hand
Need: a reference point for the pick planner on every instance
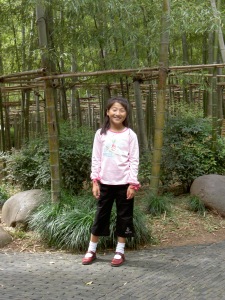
(130, 193)
(96, 190)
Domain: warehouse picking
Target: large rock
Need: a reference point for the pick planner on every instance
(18, 208)
(211, 190)
(5, 238)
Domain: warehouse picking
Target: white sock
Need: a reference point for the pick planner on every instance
(92, 246)
(120, 247)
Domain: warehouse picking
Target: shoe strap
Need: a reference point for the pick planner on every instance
(89, 254)
(118, 255)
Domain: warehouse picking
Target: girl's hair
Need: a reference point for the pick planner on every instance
(106, 123)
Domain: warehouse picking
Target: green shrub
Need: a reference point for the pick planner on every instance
(187, 152)
(30, 166)
(157, 204)
(3, 195)
(145, 168)
(68, 225)
(75, 156)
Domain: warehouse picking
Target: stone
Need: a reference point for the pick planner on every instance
(5, 237)
(19, 207)
(210, 189)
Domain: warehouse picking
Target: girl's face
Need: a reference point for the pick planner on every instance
(117, 114)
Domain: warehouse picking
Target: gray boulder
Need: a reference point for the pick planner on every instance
(18, 208)
(5, 238)
(211, 190)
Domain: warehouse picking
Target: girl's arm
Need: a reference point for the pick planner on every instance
(130, 192)
(134, 162)
(96, 157)
(96, 165)
(95, 189)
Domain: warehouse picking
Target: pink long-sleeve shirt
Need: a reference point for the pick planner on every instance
(115, 157)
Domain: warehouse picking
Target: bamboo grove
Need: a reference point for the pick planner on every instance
(61, 60)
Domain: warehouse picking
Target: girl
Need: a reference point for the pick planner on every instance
(114, 170)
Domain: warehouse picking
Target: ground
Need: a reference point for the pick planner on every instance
(184, 227)
(181, 227)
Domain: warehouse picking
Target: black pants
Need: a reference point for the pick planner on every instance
(124, 207)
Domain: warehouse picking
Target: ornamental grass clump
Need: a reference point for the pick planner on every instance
(196, 205)
(67, 225)
(157, 205)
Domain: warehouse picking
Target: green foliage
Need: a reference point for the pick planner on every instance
(196, 205)
(75, 156)
(187, 151)
(3, 195)
(19, 234)
(115, 26)
(30, 166)
(157, 204)
(145, 168)
(67, 225)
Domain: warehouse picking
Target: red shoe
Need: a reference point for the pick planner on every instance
(88, 260)
(118, 260)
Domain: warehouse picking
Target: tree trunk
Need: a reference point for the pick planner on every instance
(73, 92)
(37, 116)
(141, 131)
(22, 118)
(1, 63)
(185, 48)
(27, 115)
(161, 97)
(208, 98)
(150, 117)
(78, 110)
(214, 94)
(106, 94)
(7, 129)
(16, 48)
(216, 10)
(52, 125)
(3, 148)
(65, 113)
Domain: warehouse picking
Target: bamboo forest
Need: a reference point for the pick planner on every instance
(61, 60)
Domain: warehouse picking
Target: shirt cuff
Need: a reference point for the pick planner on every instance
(135, 187)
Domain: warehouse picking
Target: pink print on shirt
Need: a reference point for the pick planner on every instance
(114, 148)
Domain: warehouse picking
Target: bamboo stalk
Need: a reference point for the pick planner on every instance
(203, 66)
(202, 75)
(19, 79)
(38, 71)
(98, 73)
(19, 88)
(144, 71)
(128, 71)
(3, 148)
(161, 97)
